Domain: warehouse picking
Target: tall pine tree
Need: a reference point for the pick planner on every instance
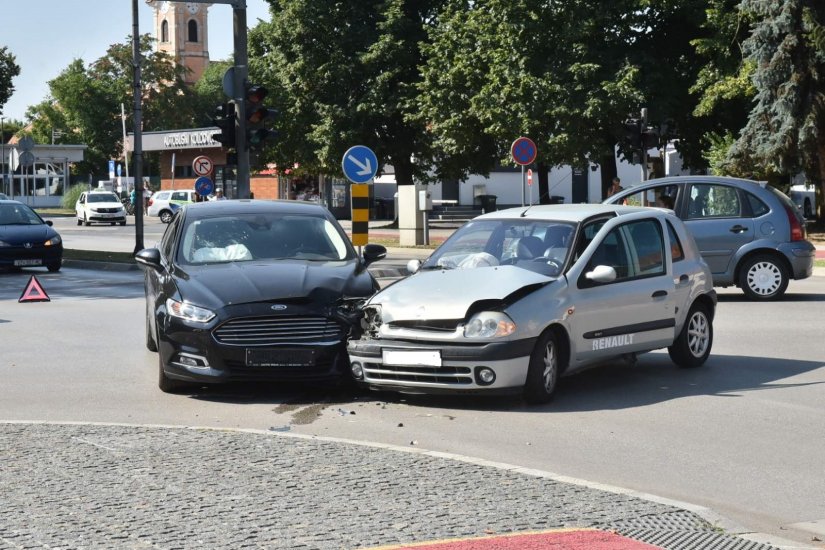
(785, 132)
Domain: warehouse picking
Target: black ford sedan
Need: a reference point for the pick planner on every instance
(26, 240)
(246, 290)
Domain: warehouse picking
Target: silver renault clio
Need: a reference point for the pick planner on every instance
(516, 298)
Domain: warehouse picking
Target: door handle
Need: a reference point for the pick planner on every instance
(738, 229)
(659, 294)
(683, 279)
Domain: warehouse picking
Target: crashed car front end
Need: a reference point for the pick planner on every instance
(448, 331)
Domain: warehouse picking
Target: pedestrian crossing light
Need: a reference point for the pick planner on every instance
(225, 120)
(258, 116)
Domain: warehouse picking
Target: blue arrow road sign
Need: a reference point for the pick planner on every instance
(204, 186)
(359, 164)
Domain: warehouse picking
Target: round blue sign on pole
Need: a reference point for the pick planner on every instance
(524, 151)
(204, 186)
(359, 164)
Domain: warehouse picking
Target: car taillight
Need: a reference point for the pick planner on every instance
(797, 229)
(150, 202)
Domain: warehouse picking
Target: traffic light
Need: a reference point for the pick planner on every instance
(225, 120)
(633, 132)
(650, 138)
(258, 116)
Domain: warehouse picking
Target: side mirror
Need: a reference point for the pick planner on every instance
(601, 274)
(49, 223)
(413, 266)
(373, 253)
(149, 257)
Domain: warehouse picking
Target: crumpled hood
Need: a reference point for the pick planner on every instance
(448, 294)
(19, 234)
(217, 285)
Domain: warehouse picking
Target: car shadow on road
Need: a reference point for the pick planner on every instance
(790, 297)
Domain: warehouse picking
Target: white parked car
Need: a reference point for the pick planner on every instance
(99, 207)
(517, 298)
(804, 197)
(160, 203)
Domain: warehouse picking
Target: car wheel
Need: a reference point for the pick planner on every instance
(543, 372)
(166, 216)
(54, 267)
(79, 221)
(808, 209)
(86, 222)
(692, 347)
(763, 277)
(123, 223)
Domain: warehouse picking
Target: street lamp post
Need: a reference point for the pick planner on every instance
(137, 153)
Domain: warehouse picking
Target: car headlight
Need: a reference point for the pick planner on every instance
(53, 241)
(489, 324)
(4, 244)
(188, 312)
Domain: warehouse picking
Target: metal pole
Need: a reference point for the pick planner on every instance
(644, 148)
(522, 185)
(241, 73)
(3, 154)
(125, 155)
(137, 152)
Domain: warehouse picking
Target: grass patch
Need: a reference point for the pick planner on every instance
(819, 263)
(55, 211)
(98, 256)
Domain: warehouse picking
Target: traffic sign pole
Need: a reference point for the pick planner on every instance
(522, 185)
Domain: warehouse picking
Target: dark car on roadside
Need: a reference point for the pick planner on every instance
(245, 290)
(26, 240)
(749, 233)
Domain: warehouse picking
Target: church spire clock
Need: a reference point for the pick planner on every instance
(181, 30)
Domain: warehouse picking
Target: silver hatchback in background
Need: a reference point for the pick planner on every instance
(516, 298)
(750, 234)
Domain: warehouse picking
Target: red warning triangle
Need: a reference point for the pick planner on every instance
(34, 292)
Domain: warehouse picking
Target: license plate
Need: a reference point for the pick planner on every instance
(427, 358)
(280, 357)
(35, 261)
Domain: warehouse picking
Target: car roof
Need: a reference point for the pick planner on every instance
(565, 212)
(210, 209)
(699, 179)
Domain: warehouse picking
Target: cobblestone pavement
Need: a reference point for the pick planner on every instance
(102, 486)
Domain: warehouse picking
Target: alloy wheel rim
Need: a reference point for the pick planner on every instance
(549, 367)
(698, 334)
(764, 278)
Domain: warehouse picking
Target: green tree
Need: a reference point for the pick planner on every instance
(557, 73)
(345, 73)
(785, 132)
(8, 70)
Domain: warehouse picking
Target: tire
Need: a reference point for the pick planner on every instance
(54, 268)
(122, 223)
(763, 277)
(79, 221)
(808, 210)
(86, 222)
(543, 372)
(165, 216)
(692, 347)
(113, 223)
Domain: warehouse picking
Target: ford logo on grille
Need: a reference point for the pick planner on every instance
(27, 245)
(279, 307)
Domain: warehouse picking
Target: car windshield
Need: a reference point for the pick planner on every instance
(267, 236)
(537, 245)
(101, 197)
(18, 214)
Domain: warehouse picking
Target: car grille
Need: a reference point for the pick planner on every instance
(452, 376)
(265, 331)
(448, 325)
(107, 210)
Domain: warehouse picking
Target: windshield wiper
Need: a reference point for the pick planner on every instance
(434, 267)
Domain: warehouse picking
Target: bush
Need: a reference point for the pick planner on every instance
(71, 196)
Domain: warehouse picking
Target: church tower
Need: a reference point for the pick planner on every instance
(181, 31)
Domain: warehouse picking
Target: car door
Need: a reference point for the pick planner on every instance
(157, 283)
(636, 311)
(716, 217)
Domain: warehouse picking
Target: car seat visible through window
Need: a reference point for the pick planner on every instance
(529, 247)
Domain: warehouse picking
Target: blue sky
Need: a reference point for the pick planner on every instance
(46, 35)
